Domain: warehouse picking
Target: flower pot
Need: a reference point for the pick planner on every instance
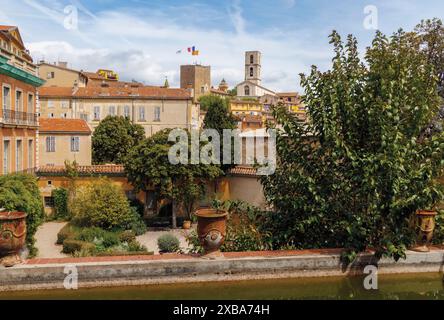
(211, 230)
(425, 224)
(12, 236)
(187, 224)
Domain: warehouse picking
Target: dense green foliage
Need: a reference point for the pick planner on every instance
(168, 243)
(148, 166)
(113, 139)
(102, 204)
(81, 241)
(20, 192)
(60, 196)
(357, 172)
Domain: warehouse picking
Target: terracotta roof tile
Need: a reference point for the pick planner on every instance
(97, 169)
(95, 92)
(64, 125)
(243, 171)
(5, 28)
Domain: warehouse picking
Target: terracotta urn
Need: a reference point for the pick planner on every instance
(212, 230)
(12, 237)
(425, 224)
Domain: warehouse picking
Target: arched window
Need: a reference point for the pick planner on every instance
(251, 72)
(247, 90)
(251, 59)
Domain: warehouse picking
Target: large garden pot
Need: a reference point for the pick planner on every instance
(425, 224)
(12, 237)
(212, 230)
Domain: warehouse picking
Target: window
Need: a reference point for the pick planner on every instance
(126, 112)
(251, 72)
(30, 154)
(157, 114)
(6, 156)
(50, 115)
(50, 144)
(247, 90)
(30, 103)
(18, 100)
(141, 113)
(251, 59)
(84, 116)
(97, 113)
(49, 202)
(49, 182)
(6, 98)
(50, 75)
(65, 104)
(202, 89)
(50, 104)
(75, 144)
(112, 111)
(19, 156)
(64, 116)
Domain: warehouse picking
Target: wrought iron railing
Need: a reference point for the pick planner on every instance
(13, 117)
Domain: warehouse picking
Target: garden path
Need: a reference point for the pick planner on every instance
(46, 237)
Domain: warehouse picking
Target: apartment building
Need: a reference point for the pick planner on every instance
(63, 140)
(155, 108)
(18, 96)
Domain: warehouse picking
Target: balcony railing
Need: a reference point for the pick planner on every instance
(19, 118)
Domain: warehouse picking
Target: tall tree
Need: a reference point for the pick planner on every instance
(113, 139)
(148, 166)
(219, 117)
(365, 172)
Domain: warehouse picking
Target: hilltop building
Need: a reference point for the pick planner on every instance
(197, 78)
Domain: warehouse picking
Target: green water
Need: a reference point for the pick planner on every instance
(411, 286)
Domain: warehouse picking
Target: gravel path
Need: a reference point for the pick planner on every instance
(46, 237)
(149, 239)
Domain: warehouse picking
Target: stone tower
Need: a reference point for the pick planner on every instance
(196, 77)
(253, 67)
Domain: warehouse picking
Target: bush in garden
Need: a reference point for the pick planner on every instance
(127, 236)
(20, 192)
(168, 243)
(71, 246)
(101, 204)
(67, 232)
(60, 196)
(136, 223)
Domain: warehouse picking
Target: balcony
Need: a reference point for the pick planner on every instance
(18, 118)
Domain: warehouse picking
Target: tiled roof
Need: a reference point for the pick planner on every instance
(59, 92)
(64, 125)
(95, 92)
(243, 171)
(288, 94)
(5, 28)
(84, 170)
(217, 91)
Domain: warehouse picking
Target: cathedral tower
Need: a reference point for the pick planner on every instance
(253, 67)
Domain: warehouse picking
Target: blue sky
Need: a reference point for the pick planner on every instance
(139, 38)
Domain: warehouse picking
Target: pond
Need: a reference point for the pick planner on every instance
(407, 286)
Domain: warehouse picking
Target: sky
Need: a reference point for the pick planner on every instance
(139, 39)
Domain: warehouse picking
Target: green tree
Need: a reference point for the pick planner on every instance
(219, 117)
(101, 204)
(113, 138)
(148, 166)
(355, 174)
(20, 192)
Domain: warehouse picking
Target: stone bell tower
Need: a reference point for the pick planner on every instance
(253, 67)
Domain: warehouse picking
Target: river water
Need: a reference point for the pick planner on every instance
(407, 286)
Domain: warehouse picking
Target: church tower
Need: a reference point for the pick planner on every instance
(253, 67)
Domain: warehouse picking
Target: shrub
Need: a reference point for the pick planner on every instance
(20, 192)
(135, 246)
(127, 236)
(60, 196)
(101, 204)
(168, 243)
(72, 246)
(136, 224)
(66, 232)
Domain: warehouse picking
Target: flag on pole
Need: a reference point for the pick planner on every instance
(178, 51)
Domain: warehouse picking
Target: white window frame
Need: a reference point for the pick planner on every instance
(75, 143)
(50, 144)
(30, 108)
(30, 153)
(157, 111)
(18, 155)
(6, 156)
(142, 113)
(19, 103)
(96, 115)
(112, 111)
(3, 96)
(125, 113)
